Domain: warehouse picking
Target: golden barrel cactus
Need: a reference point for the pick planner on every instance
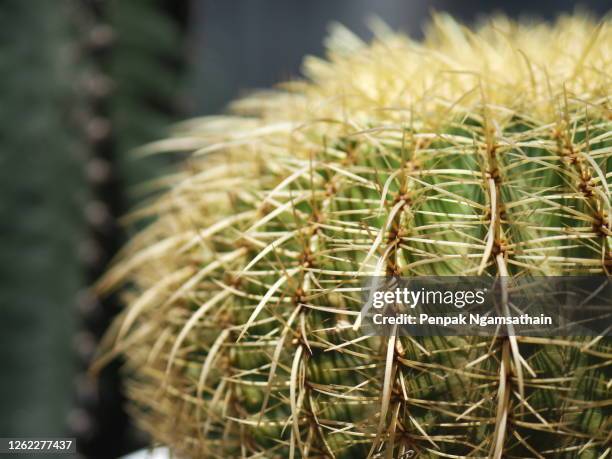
(472, 152)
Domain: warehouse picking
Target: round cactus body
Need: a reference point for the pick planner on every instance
(473, 152)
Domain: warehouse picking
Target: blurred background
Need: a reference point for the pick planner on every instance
(82, 83)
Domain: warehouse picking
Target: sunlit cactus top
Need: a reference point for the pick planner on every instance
(474, 152)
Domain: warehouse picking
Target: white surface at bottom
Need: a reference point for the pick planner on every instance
(151, 453)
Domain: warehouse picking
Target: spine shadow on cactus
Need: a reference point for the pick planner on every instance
(242, 333)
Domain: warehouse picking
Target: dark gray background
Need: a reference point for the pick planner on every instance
(238, 45)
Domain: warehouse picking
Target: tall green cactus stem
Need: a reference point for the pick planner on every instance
(42, 185)
(474, 152)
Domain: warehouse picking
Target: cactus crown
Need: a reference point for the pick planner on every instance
(472, 152)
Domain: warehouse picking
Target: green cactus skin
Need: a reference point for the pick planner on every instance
(473, 153)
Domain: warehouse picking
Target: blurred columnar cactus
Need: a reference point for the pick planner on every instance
(474, 152)
(41, 223)
(129, 52)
